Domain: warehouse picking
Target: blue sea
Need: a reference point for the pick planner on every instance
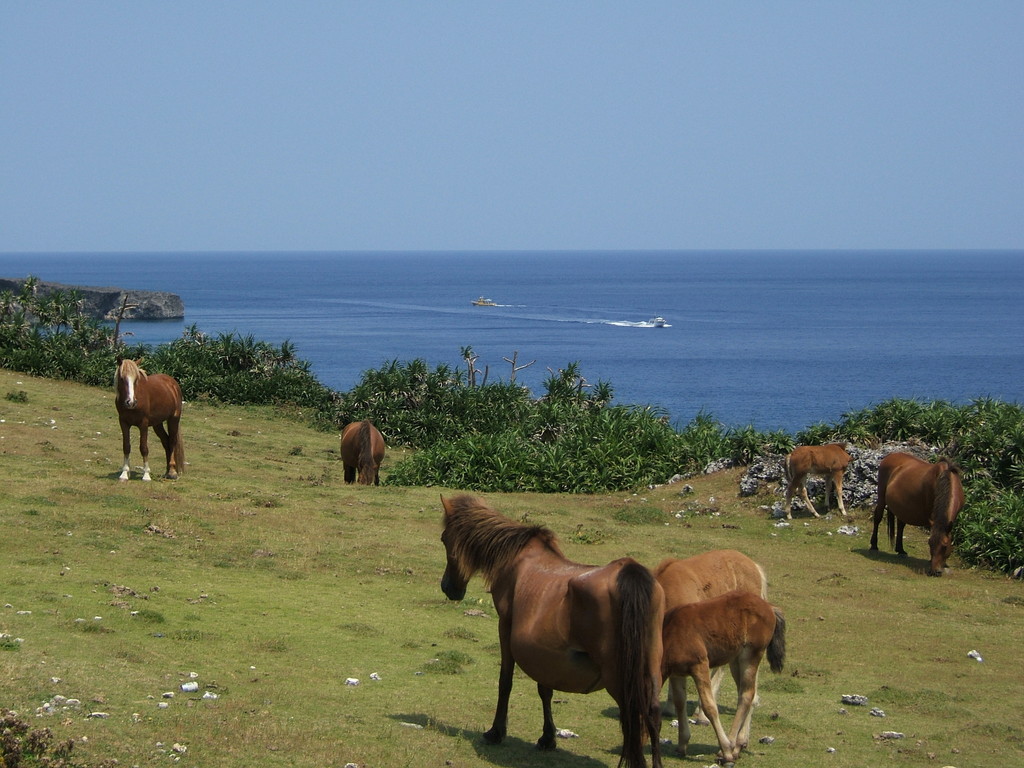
(778, 340)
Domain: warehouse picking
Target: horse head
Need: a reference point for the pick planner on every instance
(949, 498)
(128, 373)
(454, 581)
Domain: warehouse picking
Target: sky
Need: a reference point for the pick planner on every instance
(568, 125)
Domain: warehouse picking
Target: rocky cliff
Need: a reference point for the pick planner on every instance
(104, 303)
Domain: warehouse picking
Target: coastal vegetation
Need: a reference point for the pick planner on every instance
(501, 437)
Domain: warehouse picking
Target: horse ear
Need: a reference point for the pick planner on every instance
(446, 505)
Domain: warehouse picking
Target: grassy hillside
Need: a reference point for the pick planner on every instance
(265, 576)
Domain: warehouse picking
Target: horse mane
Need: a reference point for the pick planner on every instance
(129, 369)
(944, 492)
(481, 539)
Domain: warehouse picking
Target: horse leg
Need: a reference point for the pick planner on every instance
(702, 677)
(790, 487)
(547, 737)
(744, 672)
(350, 474)
(807, 499)
(717, 675)
(837, 483)
(879, 511)
(677, 688)
(144, 450)
(900, 525)
(173, 447)
(165, 441)
(500, 724)
(126, 443)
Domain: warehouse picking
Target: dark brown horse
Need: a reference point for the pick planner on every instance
(571, 627)
(916, 492)
(737, 629)
(702, 577)
(362, 451)
(146, 401)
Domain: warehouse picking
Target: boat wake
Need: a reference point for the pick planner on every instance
(631, 324)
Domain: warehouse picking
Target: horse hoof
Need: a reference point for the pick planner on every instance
(493, 737)
(546, 743)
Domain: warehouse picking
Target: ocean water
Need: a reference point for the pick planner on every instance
(773, 339)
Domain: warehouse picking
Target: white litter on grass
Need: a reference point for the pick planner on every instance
(190, 687)
(848, 530)
(374, 676)
(414, 726)
(975, 655)
(351, 681)
(210, 695)
(565, 733)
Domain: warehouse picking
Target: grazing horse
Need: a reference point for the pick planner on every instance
(362, 450)
(736, 628)
(145, 401)
(916, 492)
(570, 627)
(827, 460)
(701, 577)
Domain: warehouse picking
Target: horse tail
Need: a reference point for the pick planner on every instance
(777, 645)
(788, 470)
(638, 710)
(890, 526)
(365, 452)
(179, 452)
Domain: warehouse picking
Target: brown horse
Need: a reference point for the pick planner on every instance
(702, 577)
(362, 450)
(916, 492)
(736, 628)
(146, 401)
(570, 627)
(827, 460)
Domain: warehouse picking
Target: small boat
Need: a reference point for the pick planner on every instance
(658, 322)
(482, 302)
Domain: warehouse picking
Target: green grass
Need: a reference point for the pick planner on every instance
(274, 589)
